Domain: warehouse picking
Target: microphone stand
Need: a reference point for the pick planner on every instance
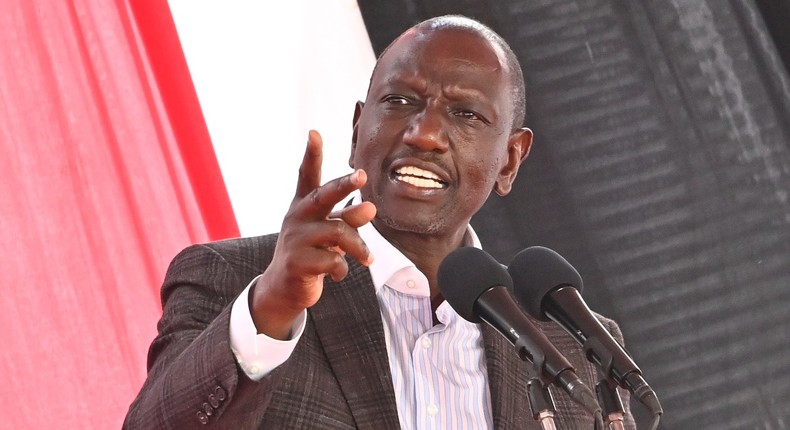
(612, 410)
(541, 403)
(611, 405)
(609, 399)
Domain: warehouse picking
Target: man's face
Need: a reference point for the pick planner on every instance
(433, 134)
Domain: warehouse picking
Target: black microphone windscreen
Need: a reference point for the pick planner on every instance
(465, 274)
(536, 271)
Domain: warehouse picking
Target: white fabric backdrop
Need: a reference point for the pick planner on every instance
(265, 74)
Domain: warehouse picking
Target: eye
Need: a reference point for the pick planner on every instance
(467, 114)
(395, 99)
(470, 115)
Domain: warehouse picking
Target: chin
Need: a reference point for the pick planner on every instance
(421, 226)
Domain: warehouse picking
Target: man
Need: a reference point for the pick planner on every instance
(306, 329)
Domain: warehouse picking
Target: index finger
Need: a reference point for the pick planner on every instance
(310, 169)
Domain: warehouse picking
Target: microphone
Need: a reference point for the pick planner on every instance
(479, 289)
(549, 289)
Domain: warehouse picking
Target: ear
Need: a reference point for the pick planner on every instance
(518, 146)
(357, 114)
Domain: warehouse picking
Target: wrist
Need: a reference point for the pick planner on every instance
(270, 315)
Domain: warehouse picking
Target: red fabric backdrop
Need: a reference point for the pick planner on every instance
(107, 172)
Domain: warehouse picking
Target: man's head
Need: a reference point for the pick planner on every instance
(460, 22)
(440, 128)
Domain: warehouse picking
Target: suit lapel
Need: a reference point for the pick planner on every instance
(508, 383)
(348, 322)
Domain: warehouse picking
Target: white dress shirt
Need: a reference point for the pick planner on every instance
(439, 373)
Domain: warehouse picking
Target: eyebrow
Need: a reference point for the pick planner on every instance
(452, 91)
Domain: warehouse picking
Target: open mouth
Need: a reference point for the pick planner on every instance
(419, 177)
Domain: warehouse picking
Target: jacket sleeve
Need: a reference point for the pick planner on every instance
(193, 380)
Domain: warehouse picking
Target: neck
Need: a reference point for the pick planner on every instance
(426, 251)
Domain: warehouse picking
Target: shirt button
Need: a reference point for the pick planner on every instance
(411, 284)
(254, 368)
(426, 343)
(433, 410)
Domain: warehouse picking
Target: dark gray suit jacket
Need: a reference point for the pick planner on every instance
(338, 376)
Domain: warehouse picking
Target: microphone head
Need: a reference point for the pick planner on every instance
(465, 274)
(536, 272)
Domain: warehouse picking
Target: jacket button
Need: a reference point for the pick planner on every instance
(220, 393)
(212, 399)
(208, 409)
(202, 417)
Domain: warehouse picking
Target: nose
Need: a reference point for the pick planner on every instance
(426, 131)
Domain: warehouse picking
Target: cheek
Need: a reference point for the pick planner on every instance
(484, 167)
(366, 143)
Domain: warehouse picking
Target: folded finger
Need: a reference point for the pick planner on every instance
(356, 215)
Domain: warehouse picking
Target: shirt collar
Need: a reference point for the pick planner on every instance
(388, 260)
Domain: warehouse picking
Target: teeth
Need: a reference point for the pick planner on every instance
(420, 182)
(416, 171)
(419, 177)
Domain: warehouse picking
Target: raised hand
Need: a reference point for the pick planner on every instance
(312, 244)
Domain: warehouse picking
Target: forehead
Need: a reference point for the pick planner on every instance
(456, 56)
